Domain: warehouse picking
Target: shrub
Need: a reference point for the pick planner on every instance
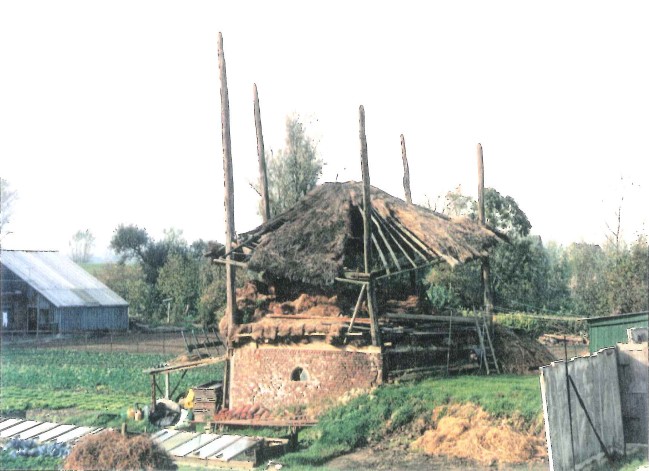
(112, 450)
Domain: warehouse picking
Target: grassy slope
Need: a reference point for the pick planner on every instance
(394, 408)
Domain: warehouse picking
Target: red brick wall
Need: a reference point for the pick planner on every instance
(262, 374)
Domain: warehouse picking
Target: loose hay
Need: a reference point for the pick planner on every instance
(466, 431)
(110, 450)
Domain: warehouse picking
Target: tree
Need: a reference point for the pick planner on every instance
(179, 281)
(294, 170)
(81, 246)
(7, 198)
(128, 281)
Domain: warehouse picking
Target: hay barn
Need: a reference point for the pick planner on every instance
(44, 291)
(316, 325)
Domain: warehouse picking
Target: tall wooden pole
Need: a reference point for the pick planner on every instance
(367, 233)
(263, 177)
(486, 270)
(230, 311)
(365, 169)
(406, 171)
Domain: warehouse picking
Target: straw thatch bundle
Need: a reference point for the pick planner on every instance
(321, 236)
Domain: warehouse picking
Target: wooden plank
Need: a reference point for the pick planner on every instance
(429, 318)
(186, 365)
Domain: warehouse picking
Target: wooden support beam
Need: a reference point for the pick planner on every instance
(367, 231)
(230, 308)
(380, 252)
(416, 240)
(486, 269)
(406, 171)
(385, 241)
(356, 309)
(263, 177)
(389, 231)
(397, 230)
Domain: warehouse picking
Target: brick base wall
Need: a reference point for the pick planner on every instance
(263, 374)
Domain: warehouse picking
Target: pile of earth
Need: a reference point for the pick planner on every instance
(519, 354)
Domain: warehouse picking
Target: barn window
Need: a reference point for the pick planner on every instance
(299, 374)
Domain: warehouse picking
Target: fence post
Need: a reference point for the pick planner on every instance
(111, 342)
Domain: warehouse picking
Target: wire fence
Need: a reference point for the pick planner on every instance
(166, 342)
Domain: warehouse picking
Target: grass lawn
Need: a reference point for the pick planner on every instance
(98, 387)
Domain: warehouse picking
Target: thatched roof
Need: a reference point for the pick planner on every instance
(320, 237)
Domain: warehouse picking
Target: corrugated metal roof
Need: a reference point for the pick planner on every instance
(61, 281)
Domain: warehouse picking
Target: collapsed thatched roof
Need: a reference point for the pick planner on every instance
(320, 237)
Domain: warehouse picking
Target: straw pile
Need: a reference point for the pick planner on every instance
(466, 431)
(111, 450)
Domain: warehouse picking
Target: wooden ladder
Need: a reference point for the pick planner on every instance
(488, 352)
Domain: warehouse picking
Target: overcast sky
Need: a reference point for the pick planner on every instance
(110, 111)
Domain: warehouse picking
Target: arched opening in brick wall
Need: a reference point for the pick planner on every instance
(299, 374)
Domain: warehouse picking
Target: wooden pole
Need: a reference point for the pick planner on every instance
(486, 270)
(406, 171)
(367, 229)
(263, 177)
(230, 309)
(367, 232)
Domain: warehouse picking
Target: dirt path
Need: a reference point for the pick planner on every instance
(384, 460)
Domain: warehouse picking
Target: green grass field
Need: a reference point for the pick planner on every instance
(95, 384)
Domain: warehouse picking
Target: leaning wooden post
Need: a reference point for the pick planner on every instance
(367, 232)
(230, 306)
(263, 177)
(406, 171)
(486, 271)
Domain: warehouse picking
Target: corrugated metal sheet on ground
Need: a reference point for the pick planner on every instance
(59, 279)
(237, 448)
(35, 431)
(55, 432)
(177, 440)
(43, 431)
(194, 444)
(19, 427)
(205, 445)
(6, 423)
(217, 445)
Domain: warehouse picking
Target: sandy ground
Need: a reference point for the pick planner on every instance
(368, 458)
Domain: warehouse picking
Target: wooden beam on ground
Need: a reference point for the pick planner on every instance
(406, 171)
(263, 176)
(230, 308)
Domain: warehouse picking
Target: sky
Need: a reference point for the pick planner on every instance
(110, 111)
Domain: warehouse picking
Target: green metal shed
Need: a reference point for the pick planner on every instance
(608, 330)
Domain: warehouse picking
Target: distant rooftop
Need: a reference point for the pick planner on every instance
(61, 281)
